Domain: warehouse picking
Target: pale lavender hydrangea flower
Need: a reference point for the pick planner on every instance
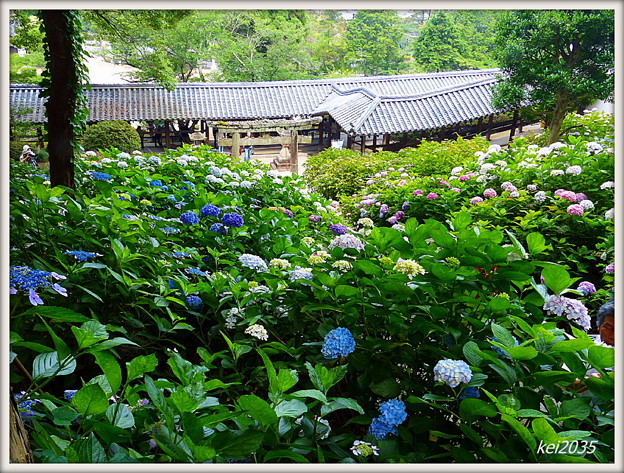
(572, 309)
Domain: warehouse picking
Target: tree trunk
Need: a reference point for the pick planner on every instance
(19, 444)
(62, 99)
(561, 108)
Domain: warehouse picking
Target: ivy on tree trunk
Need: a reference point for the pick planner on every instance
(63, 85)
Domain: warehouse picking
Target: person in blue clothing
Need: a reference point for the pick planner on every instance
(248, 150)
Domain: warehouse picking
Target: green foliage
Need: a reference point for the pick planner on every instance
(439, 47)
(558, 60)
(111, 134)
(339, 172)
(26, 69)
(373, 38)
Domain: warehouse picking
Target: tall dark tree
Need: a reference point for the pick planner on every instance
(560, 60)
(63, 83)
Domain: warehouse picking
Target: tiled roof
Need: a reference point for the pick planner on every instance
(431, 110)
(350, 99)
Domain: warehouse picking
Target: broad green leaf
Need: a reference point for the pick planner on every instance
(64, 415)
(141, 365)
(341, 403)
(536, 243)
(472, 407)
(183, 401)
(110, 368)
(229, 444)
(522, 431)
(258, 409)
(499, 304)
(120, 415)
(315, 378)
(573, 345)
(544, 431)
(90, 400)
(471, 434)
(387, 388)
(112, 343)
(91, 451)
(346, 291)
(47, 364)
(57, 314)
(531, 413)
(286, 379)
(577, 408)
(601, 357)
(470, 352)
(522, 353)
(292, 408)
(312, 393)
(89, 333)
(503, 335)
(556, 278)
(443, 273)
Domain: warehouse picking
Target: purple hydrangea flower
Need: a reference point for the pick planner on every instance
(586, 288)
(572, 309)
(610, 268)
(476, 200)
(432, 196)
(489, 192)
(338, 229)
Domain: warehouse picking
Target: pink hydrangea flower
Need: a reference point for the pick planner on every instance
(575, 209)
(531, 187)
(455, 189)
(432, 195)
(489, 192)
(465, 177)
(417, 192)
(568, 195)
(610, 268)
(476, 200)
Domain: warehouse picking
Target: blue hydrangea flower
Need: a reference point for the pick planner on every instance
(195, 271)
(180, 255)
(470, 391)
(101, 176)
(501, 351)
(215, 171)
(338, 229)
(210, 210)
(156, 183)
(252, 262)
(190, 185)
(69, 394)
(219, 228)
(170, 230)
(25, 407)
(171, 283)
(452, 372)
(232, 220)
(82, 255)
(338, 342)
(392, 412)
(299, 273)
(190, 218)
(172, 198)
(28, 280)
(194, 302)
(380, 430)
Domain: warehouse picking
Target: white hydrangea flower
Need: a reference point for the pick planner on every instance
(557, 172)
(574, 170)
(257, 331)
(91, 154)
(609, 214)
(607, 185)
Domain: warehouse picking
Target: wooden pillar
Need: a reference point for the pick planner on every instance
(514, 123)
(386, 139)
(236, 144)
(294, 151)
(404, 140)
(167, 134)
(479, 125)
(330, 132)
(489, 127)
(363, 144)
(374, 143)
(321, 127)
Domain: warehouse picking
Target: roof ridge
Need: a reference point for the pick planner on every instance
(446, 90)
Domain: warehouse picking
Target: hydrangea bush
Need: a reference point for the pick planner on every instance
(213, 310)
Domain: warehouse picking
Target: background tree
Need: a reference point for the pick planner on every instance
(28, 36)
(327, 44)
(373, 37)
(440, 46)
(560, 60)
(262, 45)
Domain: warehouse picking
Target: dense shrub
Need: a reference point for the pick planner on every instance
(196, 308)
(111, 134)
(15, 150)
(339, 172)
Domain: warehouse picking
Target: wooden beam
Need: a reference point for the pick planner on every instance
(321, 128)
(236, 144)
(167, 134)
(489, 127)
(514, 123)
(294, 152)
